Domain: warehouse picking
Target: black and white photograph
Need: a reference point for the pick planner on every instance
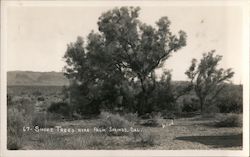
(124, 75)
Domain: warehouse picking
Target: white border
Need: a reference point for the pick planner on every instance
(35, 153)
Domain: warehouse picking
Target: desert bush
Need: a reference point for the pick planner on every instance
(190, 105)
(83, 100)
(15, 123)
(61, 108)
(231, 99)
(40, 120)
(37, 93)
(95, 141)
(151, 123)
(131, 117)
(115, 121)
(144, 138)
(229, 120)
(13, 143)
(54, 116)
(145, 116)
(40, 98)
(19, 114)
(210, 111)
(155, 120)
(23, 104)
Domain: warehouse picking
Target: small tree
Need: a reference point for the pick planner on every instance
(208, 81)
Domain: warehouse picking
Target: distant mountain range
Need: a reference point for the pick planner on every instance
(30, 78)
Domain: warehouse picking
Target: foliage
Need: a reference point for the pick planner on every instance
(231, 99)
(229, 120)
(19, 114)
(208, 81)
(24, 105)
(40, 120)
(162, 97)
(114, 121)
(189, 105)
(131, 117)
(211, 109)
(118, 63)
(60, 108)
(145, 138)
(37, 93)
(155, 120)
(151, 123)
(15, 123)
(40, 98)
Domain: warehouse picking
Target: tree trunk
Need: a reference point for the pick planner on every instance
(143, 98)
(201, 104)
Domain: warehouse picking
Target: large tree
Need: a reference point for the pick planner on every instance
(124, 49)
(207, 79)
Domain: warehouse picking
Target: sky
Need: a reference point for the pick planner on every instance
(37, 37)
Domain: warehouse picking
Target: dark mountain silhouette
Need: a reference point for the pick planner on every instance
(30, 78)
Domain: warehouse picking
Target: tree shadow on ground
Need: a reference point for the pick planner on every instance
(215, 141)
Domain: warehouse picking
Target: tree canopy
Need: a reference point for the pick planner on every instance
(122, 56)
(207, 79)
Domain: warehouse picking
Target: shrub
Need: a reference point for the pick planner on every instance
(24, 105)
(40, 120)
(115, 121)
(53, 116)
(15, 123)
(61, 108)
(190, 105)
(145, 116)
(95, 141)
(13, 143)
(231, 99)
(151, 123)
(154, 121)
(82, 100)
(19, 114)
(28, 110)
(40, 98)
(229, 120)
(210, 111)
(131, 117)
(145, 138)
(36, 93)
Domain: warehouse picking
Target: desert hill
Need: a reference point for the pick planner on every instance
(30, 78)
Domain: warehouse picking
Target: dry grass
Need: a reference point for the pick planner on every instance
(109, 120)
(131, 117)
(229, 120)
(15, 122)
(145, 138)
(187, 133)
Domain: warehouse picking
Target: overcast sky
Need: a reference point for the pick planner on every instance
(37, 37)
